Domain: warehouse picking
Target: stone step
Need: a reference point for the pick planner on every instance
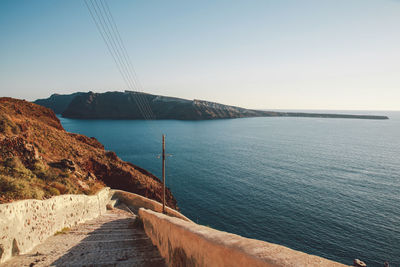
(108, 224)
(109, 240)
(129, 263)
(106, 231)
(112, 255)
(115, 237)
(104, 245)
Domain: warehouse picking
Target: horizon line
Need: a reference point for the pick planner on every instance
(265, 109)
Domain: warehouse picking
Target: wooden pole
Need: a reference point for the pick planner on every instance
(163, 170)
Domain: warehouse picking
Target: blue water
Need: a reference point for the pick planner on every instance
(329, 187)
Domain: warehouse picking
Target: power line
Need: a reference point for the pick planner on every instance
(114, 46)
(126, 55)
(108, 28)
(106, 39)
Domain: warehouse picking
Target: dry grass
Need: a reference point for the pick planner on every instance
(40, 182)
(32, 140)
(63, 231)
(7, 126)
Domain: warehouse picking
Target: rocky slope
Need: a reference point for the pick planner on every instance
(38, 159)
(134, 105)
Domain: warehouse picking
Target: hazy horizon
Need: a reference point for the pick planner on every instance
(313, 55)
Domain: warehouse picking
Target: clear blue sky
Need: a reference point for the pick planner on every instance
(338, 54)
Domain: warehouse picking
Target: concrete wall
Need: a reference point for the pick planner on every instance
(184, 243)
(26, 223)
(135, 201)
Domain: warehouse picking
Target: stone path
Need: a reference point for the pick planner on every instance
(109, 240)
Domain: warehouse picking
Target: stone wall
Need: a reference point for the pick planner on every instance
(184, 243)
(135, 201)
(26, 223)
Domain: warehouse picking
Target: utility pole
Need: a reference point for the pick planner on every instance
(163, 170)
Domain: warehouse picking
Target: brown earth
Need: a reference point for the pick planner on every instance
(39, 159)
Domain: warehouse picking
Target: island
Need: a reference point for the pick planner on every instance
(138, 106)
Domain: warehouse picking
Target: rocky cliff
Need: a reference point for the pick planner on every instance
(57, 102)
(135, 105)
(39, 159)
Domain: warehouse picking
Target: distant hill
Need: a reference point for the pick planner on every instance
(39, 159)
(136, 105)
(126, 105)
(58, 103)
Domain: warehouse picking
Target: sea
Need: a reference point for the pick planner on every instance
(328, 187)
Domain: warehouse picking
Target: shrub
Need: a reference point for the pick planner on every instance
(7, 184)
(53, 191)
(46, 174)
(62, 189)
(63, 231)
(17, 188)
(7, 126)
(16, 168)
(37, 193)
(38, 166)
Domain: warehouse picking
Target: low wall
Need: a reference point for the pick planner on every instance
(184, 243)
(26, 223)
(135, 201)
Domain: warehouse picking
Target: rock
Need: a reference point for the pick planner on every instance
(64, 164)
(90, 176)
(32, 152)
(111, 155)
(83, 184)
(16, 146)
(359, 263)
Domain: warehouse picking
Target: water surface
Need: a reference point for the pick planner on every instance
(329, 187)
